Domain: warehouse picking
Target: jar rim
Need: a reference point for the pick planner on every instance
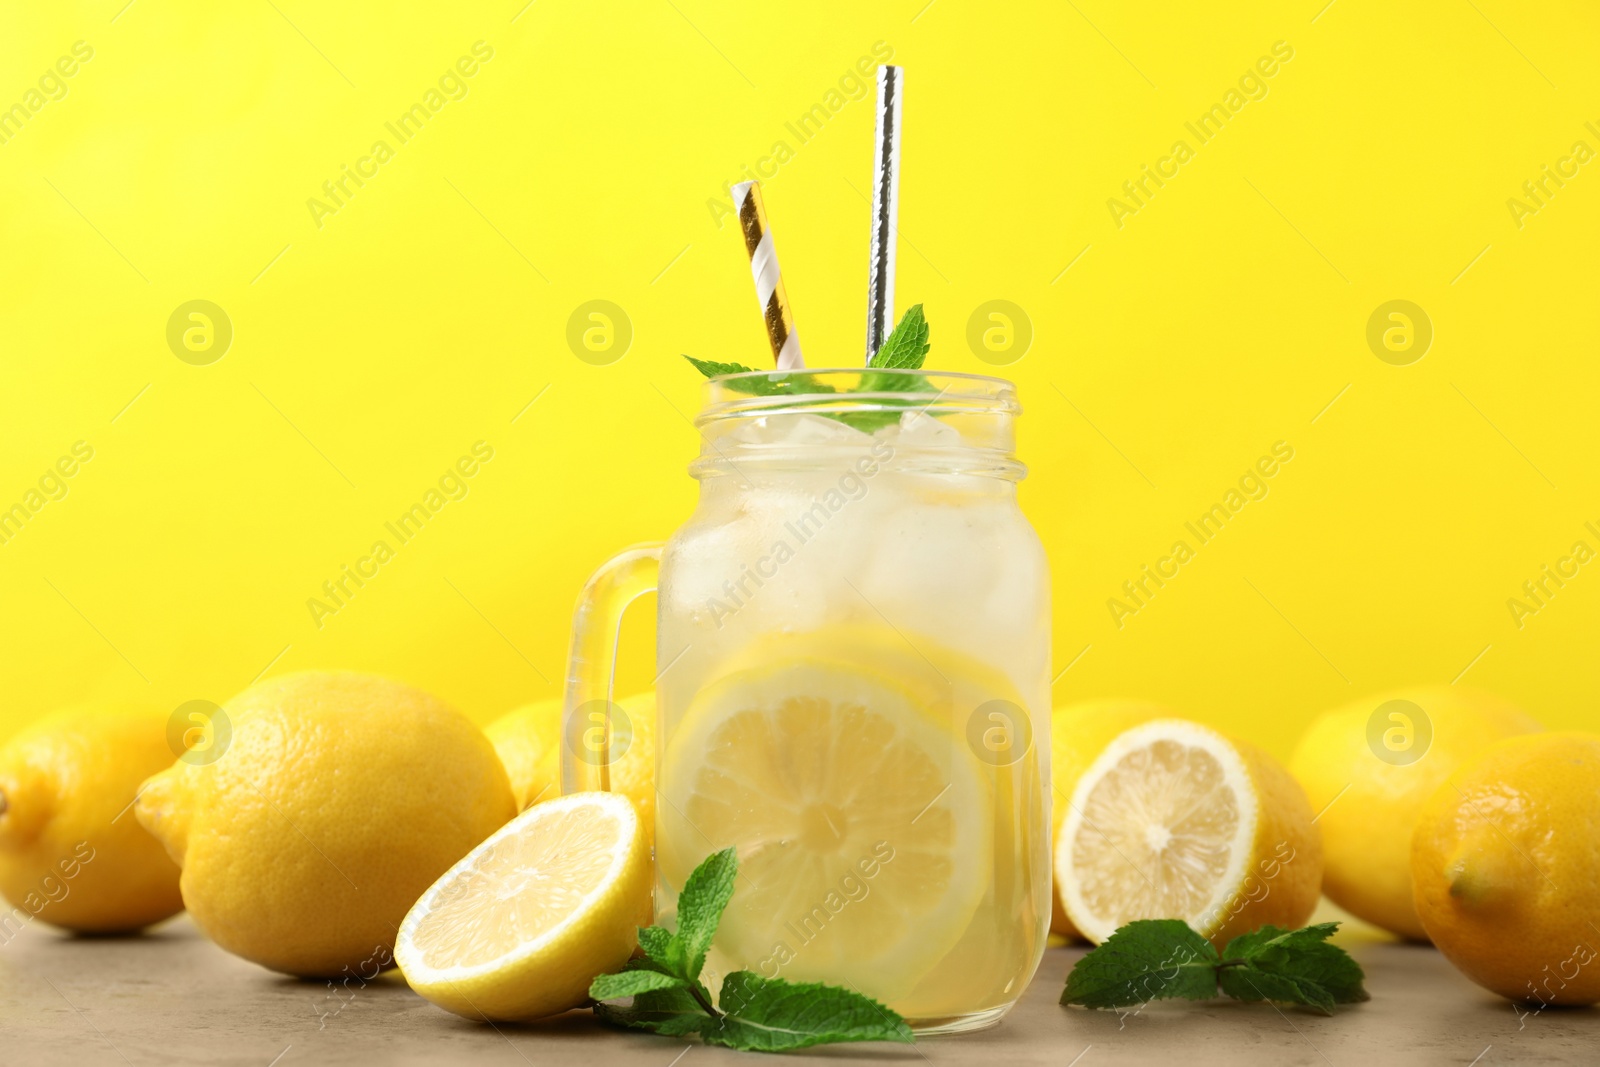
(946, 392)
(872, 400)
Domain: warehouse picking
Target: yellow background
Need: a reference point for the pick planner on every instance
(372, 351)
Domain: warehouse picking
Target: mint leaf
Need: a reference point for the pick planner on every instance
(711, 368)
(772, 1015)
(906, 345)
(891, 408)
(873, 421)
(1249, 983)
(1270, 938)
(893, 381)
(772, 383)
(904, 349)
(631, 983)
(1291, 966)
(665, 952)
(656, 942)
(673, 1012)
(705, 893)
(1145, 960)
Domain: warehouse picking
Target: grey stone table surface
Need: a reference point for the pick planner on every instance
(172, 997)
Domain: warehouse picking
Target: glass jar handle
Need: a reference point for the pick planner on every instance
(592, 664)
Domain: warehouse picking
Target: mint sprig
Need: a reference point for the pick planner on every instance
(904, 349)
(1156, 959)
(756, 1013)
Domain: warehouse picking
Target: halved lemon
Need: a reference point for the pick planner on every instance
(861, 817)
(1176, 821)
(519, 928)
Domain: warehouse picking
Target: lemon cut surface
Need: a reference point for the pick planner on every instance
(860, 815)
(1175, 821)
(519, 928)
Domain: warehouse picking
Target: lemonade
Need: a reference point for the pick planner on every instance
(854, 692)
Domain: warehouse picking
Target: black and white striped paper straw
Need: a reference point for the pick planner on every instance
(885, 208)
(769, 280)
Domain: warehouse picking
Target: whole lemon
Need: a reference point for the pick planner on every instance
(1079, 733)
(1368, 768)
(340, 798)
(1506, 861)
(528, 740)
(71, 852)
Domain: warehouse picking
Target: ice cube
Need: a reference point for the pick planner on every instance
(931, 562)
(918, 429)
(793, 429)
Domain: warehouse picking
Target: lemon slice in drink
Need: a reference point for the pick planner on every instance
(1176, 821)
(519, 928)
(861, 819)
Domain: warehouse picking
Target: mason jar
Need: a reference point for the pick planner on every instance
(854, 680)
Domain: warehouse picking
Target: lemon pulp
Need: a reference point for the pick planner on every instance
(863, 822)
(1175, 821)
(520, 927)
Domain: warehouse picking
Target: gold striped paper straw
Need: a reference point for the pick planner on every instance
(768, 278)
